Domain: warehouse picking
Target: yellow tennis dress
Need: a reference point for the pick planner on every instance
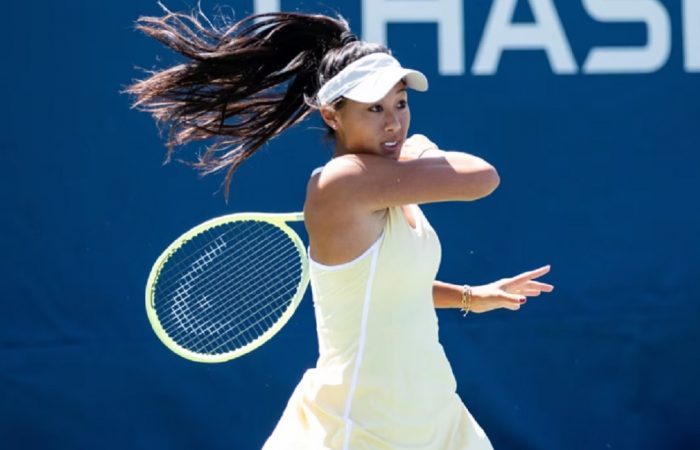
(382, 380)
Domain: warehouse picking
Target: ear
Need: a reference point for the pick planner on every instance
(330, 116)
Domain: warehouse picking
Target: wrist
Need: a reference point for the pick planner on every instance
(417, 146)
(466, 300)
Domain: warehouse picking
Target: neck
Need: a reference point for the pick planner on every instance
(340, 148)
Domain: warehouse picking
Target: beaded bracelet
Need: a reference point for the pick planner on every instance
(466, 299)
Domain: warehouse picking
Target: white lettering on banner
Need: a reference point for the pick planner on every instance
(691, 35)
(648, 58)
(448, 14)
(545, 33)
(266, 6)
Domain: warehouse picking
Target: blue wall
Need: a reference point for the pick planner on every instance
(599, 178)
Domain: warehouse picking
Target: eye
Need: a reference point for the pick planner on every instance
(376, 108)
(402, 104)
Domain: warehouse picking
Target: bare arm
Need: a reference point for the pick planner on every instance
(346, 203)
(507, 293)
(420, 176)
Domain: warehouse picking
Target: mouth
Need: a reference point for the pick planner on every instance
(391, 147)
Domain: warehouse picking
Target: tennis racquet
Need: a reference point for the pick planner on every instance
(228, 285)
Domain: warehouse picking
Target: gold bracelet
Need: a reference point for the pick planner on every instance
(466, 299)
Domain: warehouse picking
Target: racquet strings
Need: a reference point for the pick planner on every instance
(226, 286)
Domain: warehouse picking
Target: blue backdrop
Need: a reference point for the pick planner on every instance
(599, 177)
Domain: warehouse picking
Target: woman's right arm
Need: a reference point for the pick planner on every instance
(421, 175)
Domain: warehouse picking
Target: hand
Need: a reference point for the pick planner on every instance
(509, 293)
(414, 146)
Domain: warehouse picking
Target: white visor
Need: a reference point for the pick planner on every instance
(369, 79)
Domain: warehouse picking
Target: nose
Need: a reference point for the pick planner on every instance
(391, 122)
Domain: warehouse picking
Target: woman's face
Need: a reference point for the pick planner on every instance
(378, 128)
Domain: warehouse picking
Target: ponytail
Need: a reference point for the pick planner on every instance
(243, 84)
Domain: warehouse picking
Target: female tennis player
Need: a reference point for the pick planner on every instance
(382, 380)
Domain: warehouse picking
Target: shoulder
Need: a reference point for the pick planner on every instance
(340, 223)
(341, 176)
(343, 169)
(337, 195)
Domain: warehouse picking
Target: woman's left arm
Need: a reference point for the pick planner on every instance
(507, 293)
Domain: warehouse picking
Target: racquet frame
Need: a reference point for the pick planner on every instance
(279, 220)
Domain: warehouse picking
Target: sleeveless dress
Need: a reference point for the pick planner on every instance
(382, 380)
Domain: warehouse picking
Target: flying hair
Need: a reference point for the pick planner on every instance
(242, 83)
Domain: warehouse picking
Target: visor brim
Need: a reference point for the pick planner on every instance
(375, 87)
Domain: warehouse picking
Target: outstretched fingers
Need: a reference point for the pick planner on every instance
(533, 288)
(527, 276)
(544, 287)
(530, 292)
(530, 274)
(521, 286)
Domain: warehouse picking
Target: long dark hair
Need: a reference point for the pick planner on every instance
(242, 84)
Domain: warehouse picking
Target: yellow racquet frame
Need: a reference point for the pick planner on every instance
(277, 219)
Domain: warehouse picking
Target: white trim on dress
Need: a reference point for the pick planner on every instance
(361, 345)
